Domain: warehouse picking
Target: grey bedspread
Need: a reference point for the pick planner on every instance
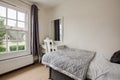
(72, 62)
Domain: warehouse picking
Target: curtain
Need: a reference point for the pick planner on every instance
(35, 46)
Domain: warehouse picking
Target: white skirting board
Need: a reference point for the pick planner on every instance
(15, 63)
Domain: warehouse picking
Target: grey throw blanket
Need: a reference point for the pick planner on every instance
(72, 62)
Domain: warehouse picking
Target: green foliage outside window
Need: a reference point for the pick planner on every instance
(21, 47)
(14, 47)
(2, 31)
(2, 49)
(2, 23)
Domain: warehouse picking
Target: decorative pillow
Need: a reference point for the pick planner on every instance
(116, 57)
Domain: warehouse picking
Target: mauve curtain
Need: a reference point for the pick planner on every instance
(35, 46)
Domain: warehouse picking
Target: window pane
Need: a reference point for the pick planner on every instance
(12, 46)
(12, 35)
(2, 35)
(2, 11)
(11, 23)
(21, 45)
(3, 47)
(21, 25)
(21, 36)
(21, 16)
(11, 13)
(2, 22)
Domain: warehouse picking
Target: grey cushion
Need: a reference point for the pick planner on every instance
(116, 57)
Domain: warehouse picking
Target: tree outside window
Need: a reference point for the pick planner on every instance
(2, 34)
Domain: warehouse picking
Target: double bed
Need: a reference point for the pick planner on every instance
(74, 64)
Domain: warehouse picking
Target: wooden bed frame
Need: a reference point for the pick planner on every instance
(55, 75)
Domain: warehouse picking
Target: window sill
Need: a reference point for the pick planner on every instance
(13, 54)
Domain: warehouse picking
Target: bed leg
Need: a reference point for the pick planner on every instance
(49, 73)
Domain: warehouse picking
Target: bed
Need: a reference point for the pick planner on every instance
(96, 69)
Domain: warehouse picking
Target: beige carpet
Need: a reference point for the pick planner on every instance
(33, 72)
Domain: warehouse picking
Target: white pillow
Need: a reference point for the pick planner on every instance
(108, 56)
(98, 67)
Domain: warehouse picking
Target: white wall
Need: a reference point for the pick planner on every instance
(43, 24)
(91, 24)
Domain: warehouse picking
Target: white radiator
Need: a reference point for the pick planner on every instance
(15, 63)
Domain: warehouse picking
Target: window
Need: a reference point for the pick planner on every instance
(13, 30)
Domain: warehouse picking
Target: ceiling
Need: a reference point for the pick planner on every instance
(47, 3)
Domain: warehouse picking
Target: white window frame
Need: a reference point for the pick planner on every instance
(27, 31)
